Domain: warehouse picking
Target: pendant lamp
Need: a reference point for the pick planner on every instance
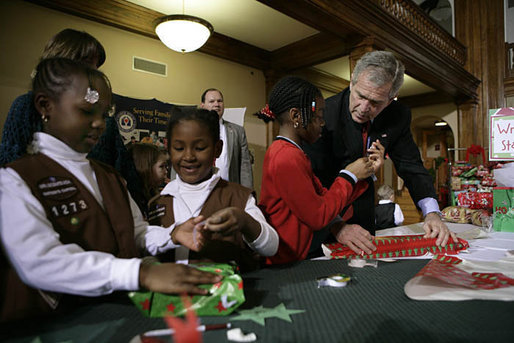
(183, 33)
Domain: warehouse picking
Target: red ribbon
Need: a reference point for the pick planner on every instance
(475, 150)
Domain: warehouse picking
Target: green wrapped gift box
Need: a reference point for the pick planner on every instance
(503, 209)
(223, 298)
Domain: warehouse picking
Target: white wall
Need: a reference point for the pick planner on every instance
(25, 28)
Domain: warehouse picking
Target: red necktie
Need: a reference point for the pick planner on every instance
(365, 129)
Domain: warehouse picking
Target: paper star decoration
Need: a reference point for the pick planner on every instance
(259, 314)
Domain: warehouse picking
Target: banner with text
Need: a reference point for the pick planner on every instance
(142, 120)
(501, 133)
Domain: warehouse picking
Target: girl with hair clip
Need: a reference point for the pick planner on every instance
(303, 212)
(152, 166)
(23, 120)
(210, 217)
(68, 226)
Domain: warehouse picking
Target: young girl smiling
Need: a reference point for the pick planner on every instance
(234, 222)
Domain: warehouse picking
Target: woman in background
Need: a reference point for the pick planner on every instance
(22, 120)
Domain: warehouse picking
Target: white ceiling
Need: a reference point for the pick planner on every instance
(246, 20)
(257, 24)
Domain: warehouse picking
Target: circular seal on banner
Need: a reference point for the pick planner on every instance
(126, 121)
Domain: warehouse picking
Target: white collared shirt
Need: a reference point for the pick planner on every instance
(398, 214)
(222, 162)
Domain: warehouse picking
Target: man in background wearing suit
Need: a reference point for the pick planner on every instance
(363, 113)
(235, 161)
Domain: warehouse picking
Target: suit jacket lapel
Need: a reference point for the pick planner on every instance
(352, 133)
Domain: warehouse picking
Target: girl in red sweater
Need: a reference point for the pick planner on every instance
(303, 212)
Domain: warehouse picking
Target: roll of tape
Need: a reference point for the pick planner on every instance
(336, 280)
(357, 263)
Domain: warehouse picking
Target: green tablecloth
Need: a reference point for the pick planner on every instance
(372, 308)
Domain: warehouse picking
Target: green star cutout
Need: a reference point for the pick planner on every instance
(259, 314)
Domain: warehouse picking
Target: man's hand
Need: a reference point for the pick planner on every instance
(355, 237)
(376, 155)
(434, 227)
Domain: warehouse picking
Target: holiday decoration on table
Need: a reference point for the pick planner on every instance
(450, 278)
(444, 268)
(397, 246)
(259, 314)
(223, 297)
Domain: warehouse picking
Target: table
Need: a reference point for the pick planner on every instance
(372, 308)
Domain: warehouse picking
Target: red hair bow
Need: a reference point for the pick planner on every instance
(267, 112)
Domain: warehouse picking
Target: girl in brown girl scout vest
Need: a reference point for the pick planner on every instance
(68, 227)
(235, 228)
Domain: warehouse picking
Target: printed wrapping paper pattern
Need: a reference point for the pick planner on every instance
(445, 269)
(398, 246)
(223, 298)
(503, 209)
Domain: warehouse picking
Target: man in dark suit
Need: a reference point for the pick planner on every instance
(358, 116)
(235, 161)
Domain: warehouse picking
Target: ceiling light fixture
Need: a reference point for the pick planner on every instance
(440, 123)
(183, 33)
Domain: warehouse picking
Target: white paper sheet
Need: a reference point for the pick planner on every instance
(235, 115)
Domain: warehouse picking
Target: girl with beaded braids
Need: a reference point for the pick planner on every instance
(23, 120)
(68, 225)
(303, 212)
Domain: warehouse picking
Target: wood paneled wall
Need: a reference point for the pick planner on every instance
(479, 25)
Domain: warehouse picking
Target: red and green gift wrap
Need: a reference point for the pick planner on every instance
(223, 298)
(476, 200)
(399, 246)
(445, 269)
(503, 209)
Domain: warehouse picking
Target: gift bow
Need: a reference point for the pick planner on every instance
(475, 150)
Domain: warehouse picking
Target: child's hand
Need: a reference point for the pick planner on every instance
(187, 235)
(226, 222)
(174, 278)
(362, 168)
(232, 221)
(376, 155)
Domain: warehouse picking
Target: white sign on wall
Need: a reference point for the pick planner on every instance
(501, 133)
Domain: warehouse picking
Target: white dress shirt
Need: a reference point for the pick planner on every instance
(34, 248)
(398, 214)
(222, 162)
